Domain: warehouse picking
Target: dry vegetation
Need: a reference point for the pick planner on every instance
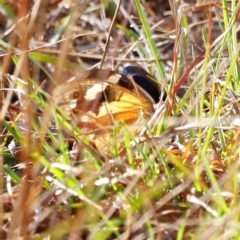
(174, 178)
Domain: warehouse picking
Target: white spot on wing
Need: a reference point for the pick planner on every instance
(94, 90)
(114, 78)
(73, 104)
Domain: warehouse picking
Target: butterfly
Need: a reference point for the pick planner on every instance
(104, 96)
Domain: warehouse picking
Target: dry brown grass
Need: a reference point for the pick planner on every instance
(176, 178)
